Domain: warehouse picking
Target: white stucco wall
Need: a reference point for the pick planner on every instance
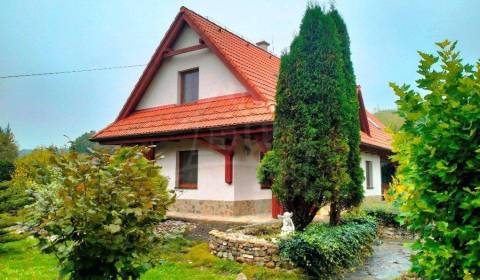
(211, 171)
(215, 79)
(376, 174)
(245, 161)
(187, 38)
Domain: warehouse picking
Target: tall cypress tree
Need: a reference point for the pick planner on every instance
(351, 194)
(309, 142)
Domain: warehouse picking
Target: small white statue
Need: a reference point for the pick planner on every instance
(288, 227)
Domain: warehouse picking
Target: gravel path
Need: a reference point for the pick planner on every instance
(201, 230)
(389, 260)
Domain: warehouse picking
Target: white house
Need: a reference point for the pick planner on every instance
(206, 101)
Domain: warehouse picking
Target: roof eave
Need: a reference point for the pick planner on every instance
(182, 132)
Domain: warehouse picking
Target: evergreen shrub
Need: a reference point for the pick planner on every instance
(326, 251)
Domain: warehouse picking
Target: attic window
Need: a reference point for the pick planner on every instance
(189, 86)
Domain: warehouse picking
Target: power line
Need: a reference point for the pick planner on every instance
(71, 71)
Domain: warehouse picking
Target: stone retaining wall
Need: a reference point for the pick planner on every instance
(245, 249)
(222, 208)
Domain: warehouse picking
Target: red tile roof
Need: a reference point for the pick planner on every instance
(213, 112)
(378, 136)
(256, 68)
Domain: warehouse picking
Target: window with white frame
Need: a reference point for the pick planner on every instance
(368, 174)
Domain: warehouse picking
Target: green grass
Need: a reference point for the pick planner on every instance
(180, 259)
(22, 260)
(181, 271)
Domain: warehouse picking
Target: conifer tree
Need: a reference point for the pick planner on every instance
(8, 147)
(309, 142)
(351, 194)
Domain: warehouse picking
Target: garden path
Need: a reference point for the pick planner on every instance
(389, 260)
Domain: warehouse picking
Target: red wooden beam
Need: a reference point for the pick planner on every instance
(227, 152)
(229, 159)
(229, 168)
(383, 152)
(219, 133)
(362, 113)
(233, 144)
(212, 146)
(184, 50)
(150, 155)
(149, 152)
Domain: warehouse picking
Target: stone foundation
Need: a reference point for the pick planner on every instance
(223, 208)
(373, 198)
(252, 207)
(245, 249)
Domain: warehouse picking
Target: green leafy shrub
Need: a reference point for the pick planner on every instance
(325, 251)
(14, 194)
(267, 168)
(33, 169)
(384, 214)
(438, 155)
(8, 234)
(98, 212)
(29, 171)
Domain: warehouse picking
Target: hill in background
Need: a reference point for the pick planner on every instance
(390, 118)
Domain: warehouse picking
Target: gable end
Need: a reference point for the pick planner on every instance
(166, 49)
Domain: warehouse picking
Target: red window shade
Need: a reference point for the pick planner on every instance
(188, 169)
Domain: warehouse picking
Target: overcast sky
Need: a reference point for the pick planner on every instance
(49, 36)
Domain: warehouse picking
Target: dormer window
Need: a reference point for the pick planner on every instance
(189, 86)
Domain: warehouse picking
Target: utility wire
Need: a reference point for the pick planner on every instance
(71, 71)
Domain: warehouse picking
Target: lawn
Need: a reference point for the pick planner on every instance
(22, 260)
(180, 259)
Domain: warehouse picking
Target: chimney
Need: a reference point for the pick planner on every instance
(263, 44)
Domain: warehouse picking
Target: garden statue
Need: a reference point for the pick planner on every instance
(287, 226)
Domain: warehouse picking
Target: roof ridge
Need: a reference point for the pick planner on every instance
(183, 9)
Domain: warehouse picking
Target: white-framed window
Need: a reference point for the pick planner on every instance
(187, 169)
(368, 174)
